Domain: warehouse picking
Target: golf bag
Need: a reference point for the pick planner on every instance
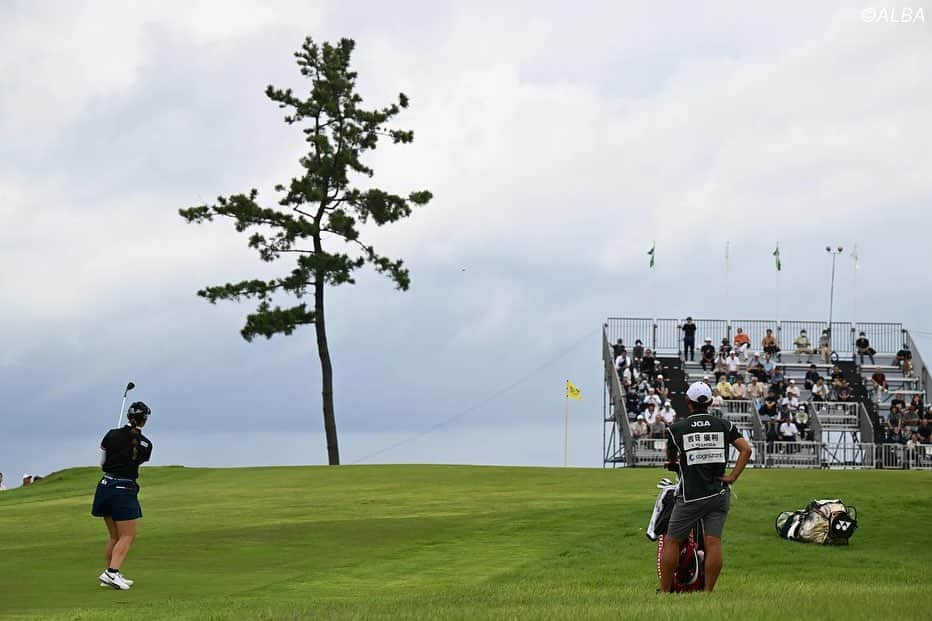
(829, 522)
(690, 571)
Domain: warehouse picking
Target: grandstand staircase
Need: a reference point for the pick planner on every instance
(860, 392)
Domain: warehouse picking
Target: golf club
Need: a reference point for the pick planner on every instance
(129, 387)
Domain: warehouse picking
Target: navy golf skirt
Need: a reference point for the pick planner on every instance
(117, 498)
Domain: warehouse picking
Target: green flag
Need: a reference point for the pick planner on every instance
(776, 255)
(651, 253)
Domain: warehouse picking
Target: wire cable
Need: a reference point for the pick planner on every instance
(482, 402)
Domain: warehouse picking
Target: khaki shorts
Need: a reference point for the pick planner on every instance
(712, 511)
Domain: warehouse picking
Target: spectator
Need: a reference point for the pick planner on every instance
(632, 403)
(621, 363)
(724, 349)
(768, 411)
(778, 381)
(742, 343)
(648, 364)
(724, 388)
(652, 398)
(914, 441)
(638, 351)
(894, 426)
(707, 355)
(619, 348)
(756, 368)
(925, 430)
(2, 486)
(792, 389)
(689, 339)
(717, 403)
(802, 421)
(658, 429)
(911, 418)
(660, 385)
(27, 479)
(769, 366)
(821, 391)
(772, 435)
(731, 366)
(904, 360)
(916, 402)
(788, 430)
(864, 348)
(789, 404)
(898, 401)
(825, 346)
(838, 377)
(803, 346)
(639, 427)
(812, 376)
(769, 344)
(739, 389)
(756, 391)
(667, 414)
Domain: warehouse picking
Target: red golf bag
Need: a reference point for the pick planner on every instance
(690, 571)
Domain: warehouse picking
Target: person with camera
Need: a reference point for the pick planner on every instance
(698, 445)
(115, 500)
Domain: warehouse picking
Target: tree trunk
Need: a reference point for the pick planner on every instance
(326, 373)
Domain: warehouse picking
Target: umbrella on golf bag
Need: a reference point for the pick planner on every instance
(690, 571)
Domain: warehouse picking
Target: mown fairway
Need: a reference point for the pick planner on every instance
(458, 542)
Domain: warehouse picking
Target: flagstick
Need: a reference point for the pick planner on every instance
(566, 423)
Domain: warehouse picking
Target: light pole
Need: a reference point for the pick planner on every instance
(831, 295)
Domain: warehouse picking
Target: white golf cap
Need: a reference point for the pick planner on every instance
(699, 392)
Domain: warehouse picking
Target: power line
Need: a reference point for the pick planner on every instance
(482, 402)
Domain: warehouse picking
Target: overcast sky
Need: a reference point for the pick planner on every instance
(559, 140)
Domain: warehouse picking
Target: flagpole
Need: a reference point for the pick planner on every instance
(566, 422)
(777, 318)
(855, 317)
(727, 281)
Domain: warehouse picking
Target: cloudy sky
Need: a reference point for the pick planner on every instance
(559, 140)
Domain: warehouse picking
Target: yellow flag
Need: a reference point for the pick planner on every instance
(572, 392)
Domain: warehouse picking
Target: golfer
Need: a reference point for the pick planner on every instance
(699, 444)
(122, 450)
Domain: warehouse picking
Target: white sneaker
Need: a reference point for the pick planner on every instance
(125, 579)
(115, 580)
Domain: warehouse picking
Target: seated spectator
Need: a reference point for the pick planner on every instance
(756, 368)
(652, 398)
(739, 389)
(812, 376)
(660, 385)
(792, 390)
(768, 410)
(648, 363)
(618, 348)
(821, 391)
(789, 404)
(894, 426)
(632, 403)
(621, 363)
(769, 344)
(638, 352)
(769, 365)
(802, 421)
(778, 381)
(639, 428)
(914, 441)
(803, 346)
(911, 418)
(724, 388)
(838, 378)
(756, 391)
(742, 343)
(658, 429)
(667, 414)
(731, 366)
(724, 349)
(788, 431)
(916, 402)
(825, 346)
(719, 371)
(898, 401)
(925, 430)
(717, 403)
(707, 355)
(864, 348)
(904, 360)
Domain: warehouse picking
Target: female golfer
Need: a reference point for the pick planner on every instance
(122, 450)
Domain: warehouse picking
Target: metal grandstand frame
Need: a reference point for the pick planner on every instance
(842, 433)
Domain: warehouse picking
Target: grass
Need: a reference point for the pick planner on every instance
(452, 542)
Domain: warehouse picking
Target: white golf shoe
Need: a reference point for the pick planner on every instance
(115, 581)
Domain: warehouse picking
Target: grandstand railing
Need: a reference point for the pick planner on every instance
(743, 414)
(649, 452)
(664, 336)
(836, 415)
(898, 456)
(800, 454)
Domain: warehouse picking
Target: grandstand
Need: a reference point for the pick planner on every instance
(849, 429)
